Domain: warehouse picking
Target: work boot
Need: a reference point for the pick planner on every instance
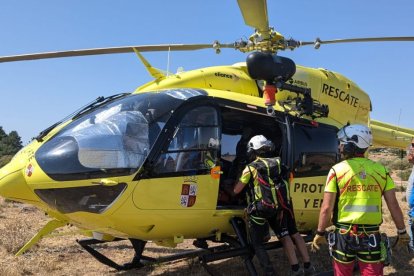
(309, 271)
(298, 272)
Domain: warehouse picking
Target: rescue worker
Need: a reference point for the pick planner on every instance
(353, 200)
(409, 193)
(269, 205)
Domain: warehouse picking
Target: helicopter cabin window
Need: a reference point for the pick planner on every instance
(194, 145)
(316, 149)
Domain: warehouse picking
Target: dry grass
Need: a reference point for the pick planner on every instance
(61, 255)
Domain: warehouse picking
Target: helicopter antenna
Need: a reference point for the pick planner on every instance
(401, 151)
(399, 117)
(168, 61)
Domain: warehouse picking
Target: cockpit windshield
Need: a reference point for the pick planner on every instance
(113, 137)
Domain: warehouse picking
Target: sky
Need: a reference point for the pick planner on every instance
(36, 94)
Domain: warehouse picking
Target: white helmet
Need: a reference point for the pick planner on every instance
(359, 135)
(259, 142)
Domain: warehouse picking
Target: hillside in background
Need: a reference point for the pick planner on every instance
(61, 255)
(395, 161)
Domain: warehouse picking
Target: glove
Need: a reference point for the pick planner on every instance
(317, 241)
(402, 240)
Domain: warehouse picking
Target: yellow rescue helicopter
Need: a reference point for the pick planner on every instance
(156, 164)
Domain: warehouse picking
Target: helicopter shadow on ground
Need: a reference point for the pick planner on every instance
(229, 266)
(191, 267)
(402, 260)
(185, 266)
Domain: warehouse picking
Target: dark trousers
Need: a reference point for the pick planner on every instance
(258, 230)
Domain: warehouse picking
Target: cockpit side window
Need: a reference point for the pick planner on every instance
(316, 149)
(195, 143)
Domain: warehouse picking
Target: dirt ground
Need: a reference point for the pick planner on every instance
(61, 255)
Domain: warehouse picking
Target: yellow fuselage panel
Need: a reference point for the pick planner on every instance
(158, 224)
(346, 101)
(307, 195)
(169, 193)
(165, 224)
(225, 78)
(152, 209)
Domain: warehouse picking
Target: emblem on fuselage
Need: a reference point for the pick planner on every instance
(29, 170)
(188, 195)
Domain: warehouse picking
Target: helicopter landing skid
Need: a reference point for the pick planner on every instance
(139, 259)
(231, 247)
(135, 263)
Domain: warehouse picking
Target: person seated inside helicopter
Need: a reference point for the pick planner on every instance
(199, 159)
(195, 143)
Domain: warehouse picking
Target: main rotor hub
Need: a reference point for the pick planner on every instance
(269, 41)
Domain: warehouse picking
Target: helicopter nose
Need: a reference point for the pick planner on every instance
(13, 184)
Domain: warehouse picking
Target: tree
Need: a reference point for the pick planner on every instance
(14, 143)
(9, 145)
(2, 133)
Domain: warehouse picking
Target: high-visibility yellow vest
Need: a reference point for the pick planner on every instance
(360, 184)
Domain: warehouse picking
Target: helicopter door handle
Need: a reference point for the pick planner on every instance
(106, 182)
(215, 172)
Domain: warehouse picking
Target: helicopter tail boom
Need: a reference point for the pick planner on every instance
(388, 135)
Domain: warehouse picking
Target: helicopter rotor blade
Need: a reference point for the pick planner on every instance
(318, 42)
(115, 50)
(255, 14)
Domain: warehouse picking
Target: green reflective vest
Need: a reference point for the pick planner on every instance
(359, 184)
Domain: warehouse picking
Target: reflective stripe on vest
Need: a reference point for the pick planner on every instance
(361, 208)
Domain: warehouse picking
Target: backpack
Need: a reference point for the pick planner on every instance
(271, 193)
